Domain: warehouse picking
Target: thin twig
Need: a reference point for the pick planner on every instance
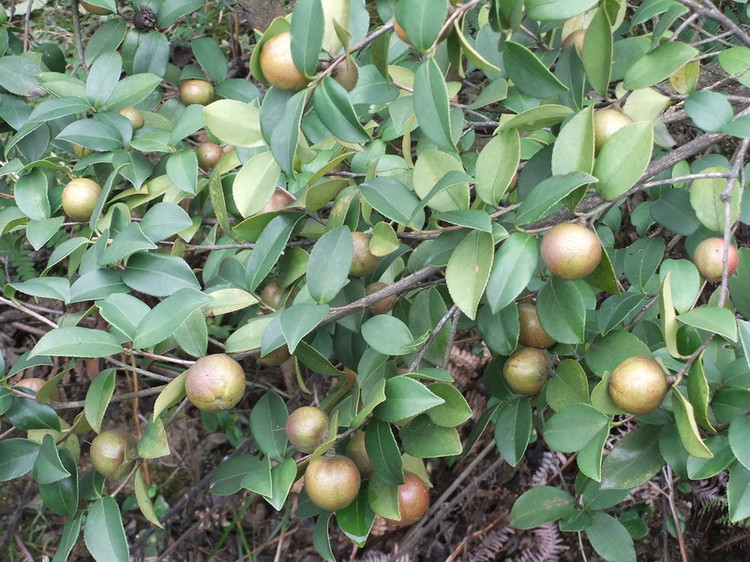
(438, 327)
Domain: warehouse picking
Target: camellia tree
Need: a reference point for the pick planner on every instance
(377, 177)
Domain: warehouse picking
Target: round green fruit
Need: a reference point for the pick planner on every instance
(364, 262)
(413, 500)
(709, 259)
(571, 251)
(112, 453)
(531, 332)
(606, 123)
(277, 64)
(638, 385)
(332, 482)
(526, 371)
(79, 198)
(195, 91)
(306, 427)
(383, 306)
(215, 383)
(575, 39)
(209, 154)
(357, 451)
(134, 116)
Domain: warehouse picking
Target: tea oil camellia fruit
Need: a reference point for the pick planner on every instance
(209, 154)
(364, 262)
(196, 91)
(306, 427)
(36, 384)
(332, 482)
(709, 259)
(606, 123)
(413, 500)
(79, 198)
(278, 66)
(111, 452)
(357, 451)
(638, 385)
(215, 382)
(278, 201)
(575, 39)
(272, 294)
(383, 306)
(531, 332)
(526, 371)
(276, 357)
(134, 116)
(346, 74)
(571, 251)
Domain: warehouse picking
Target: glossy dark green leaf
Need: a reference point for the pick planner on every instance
(431, 104)
(574, 149)
(48, 467)
(529, 74)
(74, 341)
(699, 468)
(537, 117)
(562, 311)
(182, 169)
(328, 267)
(103, 77)
(454, 411)
(308, 28)
(383, 451)
(211, 58)
(357, 518)
(706, 200)
(711, 319)
(283, 476)
(597, 52)
(321, 539)
(335, 110)
(658, 65)
(513, 427)
(499, 330)
(394, 200)
(605, 353)
(623, 159)
(299, 320)
(540, 505)
(548, 193)
(738, 493)
(154, 443)
(70, 534)
(93, 134)
(642, 258)
(172, 10)
(388, 335)
(285, 134)
(404, 398)
(468, 271)
(228, 477)
(422, 21)
(687, 427)
(269, 248)
(569, 386)
(107, 37)
(17, 457)
(104, 534)
(497, 165)
(61, 494)
(98, 395)
(257, 476)
(633, 461)
(424, 439)
(610, 538)
(159, 275)
(590, 457)
(587, 421)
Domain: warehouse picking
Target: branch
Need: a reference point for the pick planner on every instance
(708, 10)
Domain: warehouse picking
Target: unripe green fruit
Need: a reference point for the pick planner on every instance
(382, 306)
(526, 370)
(134, 116)
(346, 74)
(709, 259)
(571, 251)
(111, 453)
(531, 333)
(209, 154)
(215, 382)
(81, 152)
(575, 38)
(79, 198)
(606, 123)
(364, 262)
(306, 427)
(413, 500)
(638, 385)
(277, 64)
(332, 482)
(357, 451)
(196, 91)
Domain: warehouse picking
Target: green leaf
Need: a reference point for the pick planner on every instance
(513, 429)
(335, 110)
(687, 427)
(633, 461)
(556, 10)
(605, 353)
(17, 74)
(299, 320)
(17, 457)
(132, 90)
(152, 55)
(586, 420)
(211, 58)
(162, 320)
(383, 451)
(258, 476)
(45, 287)
(711, 319)
(255, 183)
(104, 534)
(228, 477)
(422, 20)
(143, 499)
(283, 476)
(710, 111)
(69, 538)
(48, 467)
(268, 248)
(451, 192)
(124, 312)
(499, 330)
(574, 149)
(357, 518)
(658, 65)
(321, 539)
(328, 267)
(98, 395)
(107, 37)
(598, 51)
(541, 505)
(569, 386)
(424, 439)
(684, 282)
(496, 166)
(61, 496)
(394, 200)
(182, 170)
(103, 77)
(388, 335)
(610, 538)
(700, 468)
(623, 159)
(307, 35)
(536, 118)
(74, 341)
(164, 220)
(285, 135)
(172, 393)
(699, 394)
(705, 198)
(642, 258)
(154, 444)
(431, 105)
(158, 275)
(562, 311)
(267, 424)
(234, 122)
(31, 195)
(94, 134)
(468, 271)
(738, 493)
(454, 411)
(548, 193)
(529, 74)
(404, 398)
(590, 457)
(736, 61)
(172, 10)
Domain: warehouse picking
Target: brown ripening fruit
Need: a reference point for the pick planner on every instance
(413, 500)
(215, 383)
(306, 427)
(571, 251)
(79, 198)
(606, 123)
(575, 39)
(357, 451)
(93, 9)
(134, 116)
(195, 91)
(346, 74)
(36, 384)
(112, 452)
(278, 201)
(526, 371)
(209, 154)
(531, 332)
(332, 482)
(271, 295)
(364, 262)
(383, 306)
(709, 259)
(276, 357)
(277, 64)
(638, 385)
(400, 32)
